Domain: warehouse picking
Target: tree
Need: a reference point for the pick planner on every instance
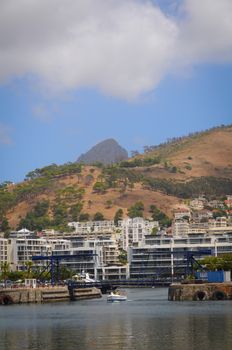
(158, 215)
(174, 169)
(99, 187)
(136, 210)
(84, 217)
(75, 211)
(5, 270)
(98, 216)
(65, 273)
(123, 257)
(41, 208)
(212, 263)
(28, 272)
(227, 261)
(154, 230)
(118, 216)
(109, 204)
(4, 225)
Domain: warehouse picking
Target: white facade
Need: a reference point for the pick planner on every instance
(218, 222)
(197, 204)
(166, 256)
(90, 255)
(180, 228)
(21, 250)
(93, 227)
(3, 250)
(181, 213)
(113, 272)
(134, 230)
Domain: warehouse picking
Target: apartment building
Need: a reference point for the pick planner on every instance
(180, 227)
(165, 257)
(134, 230)
(22, 249)
(3, 251)
(92, 227)
(92, 256)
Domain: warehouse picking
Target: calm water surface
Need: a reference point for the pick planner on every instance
(146, 321)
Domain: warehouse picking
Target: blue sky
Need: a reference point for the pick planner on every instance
(167, 79)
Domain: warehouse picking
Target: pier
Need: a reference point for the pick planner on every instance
(200, 291)
(46, 294)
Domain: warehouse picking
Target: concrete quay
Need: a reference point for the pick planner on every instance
(200, 291)
(45, 294)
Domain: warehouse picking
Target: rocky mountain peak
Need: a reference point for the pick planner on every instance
(106, 152)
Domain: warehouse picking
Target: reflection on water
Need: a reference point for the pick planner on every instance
(146, 321)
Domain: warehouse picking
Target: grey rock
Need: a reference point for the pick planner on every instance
(105, 152)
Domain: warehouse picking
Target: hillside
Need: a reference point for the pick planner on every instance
(166, 176)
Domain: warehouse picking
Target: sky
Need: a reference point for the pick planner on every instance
(74, 72)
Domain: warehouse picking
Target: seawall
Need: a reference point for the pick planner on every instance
(203, 291)
(47, 294)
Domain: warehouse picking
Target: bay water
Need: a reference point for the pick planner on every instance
(147, 320)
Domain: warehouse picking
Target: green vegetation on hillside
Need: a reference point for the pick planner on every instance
(208, 185)
(136, 210)
(66, 201)
(140, 162)
(55, 170)
(158, 215)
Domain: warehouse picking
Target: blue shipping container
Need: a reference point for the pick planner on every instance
(211, 276)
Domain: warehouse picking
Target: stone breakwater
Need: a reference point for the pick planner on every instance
(47, 294)
(203, 291)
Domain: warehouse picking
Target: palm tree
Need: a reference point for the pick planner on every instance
(28, 272)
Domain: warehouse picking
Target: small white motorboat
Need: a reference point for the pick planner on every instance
(116, 296)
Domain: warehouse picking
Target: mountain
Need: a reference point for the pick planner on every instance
(105, 152)
(165, 175)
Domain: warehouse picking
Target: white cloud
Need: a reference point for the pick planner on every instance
(206, 32)
(5, 138)
(122, 47)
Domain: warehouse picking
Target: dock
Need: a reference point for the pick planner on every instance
(200, 291)
(46, 294)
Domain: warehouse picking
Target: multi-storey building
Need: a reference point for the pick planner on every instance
(93, 227)
(218, 222)
(166, 256)
(197, 204)
(134, 230)
(3, 251)
(180, 227)
(92, 256)
(22, 249)
(182, 213)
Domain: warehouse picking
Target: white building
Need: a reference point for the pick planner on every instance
(93, 227)
(165, 257)
(180, 228)
(92, 256)
(182, 213)
(197, 204)
(134, 230)
(22, 249)
(218, 222)
(3, 250)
